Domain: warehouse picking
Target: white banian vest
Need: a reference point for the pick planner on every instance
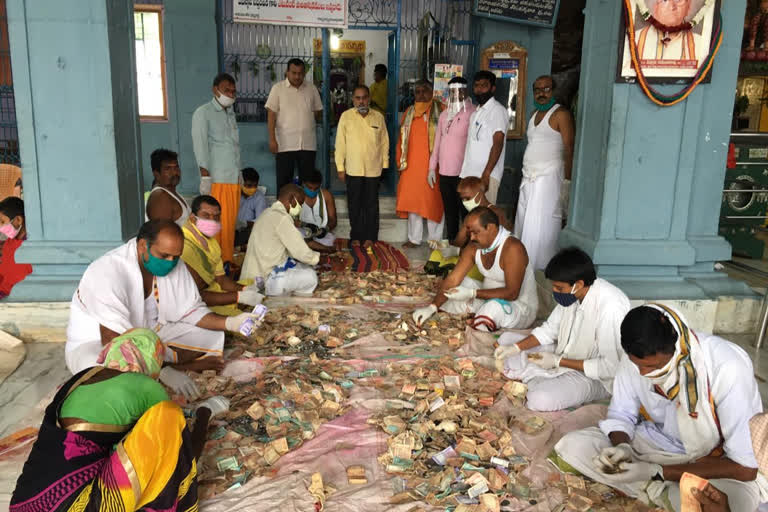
(544, 153)
(528, 298)
(185, 210)
(317, 214)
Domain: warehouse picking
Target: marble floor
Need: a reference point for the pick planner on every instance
(24, 395)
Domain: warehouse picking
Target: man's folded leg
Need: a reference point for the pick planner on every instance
(190, 338)
(568, 390)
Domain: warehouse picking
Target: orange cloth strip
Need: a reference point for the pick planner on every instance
(228, 195)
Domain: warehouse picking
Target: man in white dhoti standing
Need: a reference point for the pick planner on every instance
(506, 299)
(546, 163)
(140, 284)
(571, 358)
(681, 402)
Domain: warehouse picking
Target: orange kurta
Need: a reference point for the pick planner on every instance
(414, 194)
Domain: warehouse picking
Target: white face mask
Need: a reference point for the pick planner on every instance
(471, 204)
(294, 211)
(224, 100)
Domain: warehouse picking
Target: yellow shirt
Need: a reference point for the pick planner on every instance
(379, 95)
(206, 262)
(362, 144)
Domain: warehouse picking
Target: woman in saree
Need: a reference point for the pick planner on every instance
(111, 439)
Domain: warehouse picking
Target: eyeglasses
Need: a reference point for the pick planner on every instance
(678, 2)
(541, 89)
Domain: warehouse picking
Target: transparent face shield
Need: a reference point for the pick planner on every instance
(456, 95)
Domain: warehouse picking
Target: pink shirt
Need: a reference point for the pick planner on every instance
(450, 141)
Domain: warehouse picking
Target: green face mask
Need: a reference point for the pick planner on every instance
(157, 266)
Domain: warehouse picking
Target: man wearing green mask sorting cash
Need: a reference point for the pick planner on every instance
(546, 171)
(141, 285)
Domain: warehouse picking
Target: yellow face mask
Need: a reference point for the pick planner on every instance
(248, 191)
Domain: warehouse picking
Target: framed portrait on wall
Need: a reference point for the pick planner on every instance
(672, 38)
(509, 61)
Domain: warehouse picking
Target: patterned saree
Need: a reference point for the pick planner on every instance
(147, 466)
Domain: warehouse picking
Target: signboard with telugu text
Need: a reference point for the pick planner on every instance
(529, 12)
(311, 13)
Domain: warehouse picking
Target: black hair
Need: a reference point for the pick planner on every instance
(201, 200)
(646, 331)
(485, 215)
(312, 176)
(296, 62)
(161, 155)
(571, 265)
(151, 229)
(12, 207)
(361, 86)
(250, 174)
(380, 68)
(223, 77)
(485, 75)
(457, 80)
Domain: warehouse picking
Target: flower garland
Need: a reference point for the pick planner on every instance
(645, 12)
(658, 98)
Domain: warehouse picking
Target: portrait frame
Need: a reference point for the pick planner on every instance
(509, 61)
(679, 70)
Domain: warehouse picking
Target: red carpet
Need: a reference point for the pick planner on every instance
(381, 256)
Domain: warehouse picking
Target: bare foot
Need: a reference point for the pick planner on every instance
(367, 244)
(410, 245)
(199, 365)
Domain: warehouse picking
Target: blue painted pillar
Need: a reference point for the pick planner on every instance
(74, 82)
(648, 179)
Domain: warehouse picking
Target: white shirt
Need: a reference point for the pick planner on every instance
(589, 331)
(487, 120)
(216, 141)
(295, 127)
(734, 391)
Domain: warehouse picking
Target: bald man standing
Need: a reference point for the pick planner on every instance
(277, 253)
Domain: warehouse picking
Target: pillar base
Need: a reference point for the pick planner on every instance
(50, 282)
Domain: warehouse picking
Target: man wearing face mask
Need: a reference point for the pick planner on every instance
(362, 151)
(472, 194)
(318, 212)
(277, 253)
(546, 163)
(448, 155)
(487, 139)
(202, 256)
(216, 143)
(141, 285)
(418, 190)
(13, 232)
(682, 403)
(506, 299)
(252, 204)
(572, 358)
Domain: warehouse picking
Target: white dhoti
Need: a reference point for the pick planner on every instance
(505, 314)
(299, 280)
(84, 340)
(549, 390)
(539, 217)
(328, 240)
(416, 228)
(580, 447)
